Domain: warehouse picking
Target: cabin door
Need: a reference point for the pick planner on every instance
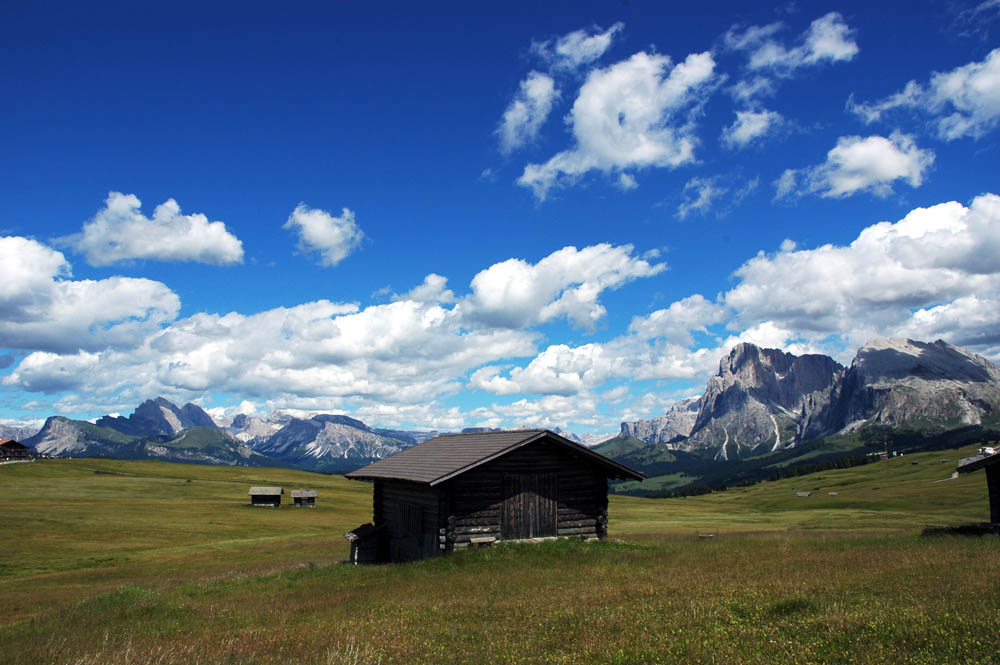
(530, 505)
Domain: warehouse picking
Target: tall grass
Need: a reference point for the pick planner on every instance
(145, 567)
(740, 599)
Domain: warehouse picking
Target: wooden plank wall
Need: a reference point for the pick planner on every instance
(475, 498)
(409, 512)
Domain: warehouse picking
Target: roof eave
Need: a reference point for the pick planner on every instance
(976, 462)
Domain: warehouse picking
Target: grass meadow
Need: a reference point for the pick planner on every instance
(143, 562)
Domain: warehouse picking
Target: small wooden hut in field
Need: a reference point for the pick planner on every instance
(459, 490)
(989, 459)
(268, 497)
(12, 450)
(304, 498)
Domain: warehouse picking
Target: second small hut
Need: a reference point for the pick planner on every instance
(304, 498)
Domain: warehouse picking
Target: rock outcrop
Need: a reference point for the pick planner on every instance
(668, 429)
(902, 382)
(755, 401)
(765, 399)
(159, 417)
(251, 430)
(327, 441)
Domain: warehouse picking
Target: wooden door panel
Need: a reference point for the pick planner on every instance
(530, 505)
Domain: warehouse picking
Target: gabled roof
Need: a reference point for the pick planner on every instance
(266, 491)
(437, 460)
(304, 494)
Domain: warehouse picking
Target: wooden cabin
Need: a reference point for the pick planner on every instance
(459, 490)
(304, 498)
(267, 497)
(989, 459)
(12, 450)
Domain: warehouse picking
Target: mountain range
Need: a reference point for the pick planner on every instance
(761, 401)
(158, 429)
(765, 400)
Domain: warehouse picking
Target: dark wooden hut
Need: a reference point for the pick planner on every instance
(469, 489)
(304, 498)
(269, 497)
(989, 459)
(12, 450)
(363, 542)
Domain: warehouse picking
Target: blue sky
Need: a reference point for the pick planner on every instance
(455, 215)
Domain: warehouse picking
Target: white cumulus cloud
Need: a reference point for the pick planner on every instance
(828, 39)
(333, 238)
(120, 232)
(628, 115)
(965, 101)
(433, 289)
(527, 112)
(676, 322)
(391, 361)
(41, 307)
(699, 195)
(749, 126)
(578, 48)
(566, 283)
(858, 164)
(895, 278)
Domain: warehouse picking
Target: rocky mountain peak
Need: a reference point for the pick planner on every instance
(895, 381)
(897, 358)
(159, 416)
(752, 365)
(675, 424)
(340, 420)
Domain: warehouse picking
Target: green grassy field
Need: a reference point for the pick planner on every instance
(145, 562)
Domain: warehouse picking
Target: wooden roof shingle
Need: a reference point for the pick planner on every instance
(437, 460)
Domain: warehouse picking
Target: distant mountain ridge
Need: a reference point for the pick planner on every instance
(17, 432)
(677, 424)
(158, 429)
(159, 416)
(765, 400)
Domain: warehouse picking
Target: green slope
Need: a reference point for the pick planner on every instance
(692, 474)
(110, 561)
(909, 492)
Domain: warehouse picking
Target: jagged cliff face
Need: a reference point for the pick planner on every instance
(899, 382)
(667, 429)
(756, 401)
(58, 436)
(17, 433)
(765, 399)
(159, 416)
(251, 430)
(329, 439)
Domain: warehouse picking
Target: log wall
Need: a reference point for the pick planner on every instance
(476, 499)
(409, 513)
